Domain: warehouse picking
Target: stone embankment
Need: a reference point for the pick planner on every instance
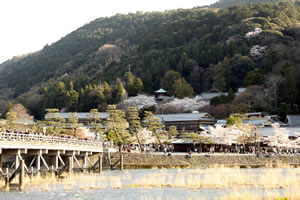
(135, 160)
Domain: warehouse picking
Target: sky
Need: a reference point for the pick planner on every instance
(28, 25)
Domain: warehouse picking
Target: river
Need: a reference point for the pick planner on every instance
(169, 184)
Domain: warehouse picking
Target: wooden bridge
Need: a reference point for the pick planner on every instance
(32, 154)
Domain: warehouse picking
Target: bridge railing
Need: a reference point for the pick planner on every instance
(39, 138)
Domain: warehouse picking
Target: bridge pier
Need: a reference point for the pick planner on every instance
(21, 175)
(55, 162)
(1, 161)
(38, 163)
(54, 154)
(84, 163)
(70, 164)
(84, 157)
(100, 164)
(7, 180)
(17, 162)
(121, 160)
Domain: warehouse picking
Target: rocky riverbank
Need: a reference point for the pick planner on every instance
(135, 160)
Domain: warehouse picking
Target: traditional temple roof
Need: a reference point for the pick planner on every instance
(185, 117)
(161, 91)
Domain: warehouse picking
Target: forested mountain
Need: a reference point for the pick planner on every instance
(228, 3)
(179, 49)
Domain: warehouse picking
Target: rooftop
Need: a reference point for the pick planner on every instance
(260, 122)
(268, 131)
(185, 117)
(161, 91)
(293, 120)
(210, 95)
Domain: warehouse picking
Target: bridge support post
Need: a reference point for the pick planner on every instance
(100, 164)
(55, 162)
(31, 174)
(38, 163)
(17, 163)
(84, 163)
(21, 176)
(7, 180)
(70, 164)
(121, 160)
(1, 161)
(52, 170)
(109, 158)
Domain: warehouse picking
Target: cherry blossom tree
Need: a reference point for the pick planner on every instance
(248, 134)
(258, 51)
(281, 137)
(145, 136)
(225, 136)
(253, 33)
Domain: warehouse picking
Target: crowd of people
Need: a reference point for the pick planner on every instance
(147, 148)
(168, 149)
(51, 137)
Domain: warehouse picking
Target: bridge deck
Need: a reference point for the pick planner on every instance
(32, 141)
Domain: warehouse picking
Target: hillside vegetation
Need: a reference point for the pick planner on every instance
(185, 51)
(228, 3)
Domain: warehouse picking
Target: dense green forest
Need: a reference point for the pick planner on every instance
(181, 50)
(228, 3)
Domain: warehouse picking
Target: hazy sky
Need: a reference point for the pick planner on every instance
(28, 25)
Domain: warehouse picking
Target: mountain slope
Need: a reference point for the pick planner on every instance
(228, 3)
(198, 43)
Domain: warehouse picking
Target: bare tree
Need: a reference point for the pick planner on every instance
(272, 84)
(21, 112)
(246, 98)
(253, 96)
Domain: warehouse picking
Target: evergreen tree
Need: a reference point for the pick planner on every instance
(53, 122)
(133, 85)
(183, 89)
(82, 99)
(11, 119)
(168, 81)
(233, 120)
(60, 95)
(289, 90)
(138, 86)
(230, 95)
(254, 77)
(129, 78)
(95, 121)
(119, 92)
(154, 125)
(117, 126)
(107, 92)
(73, 98)
(73, 123)
(134, 123)
(172, 132)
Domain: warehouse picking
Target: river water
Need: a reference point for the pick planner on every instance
(146, 184)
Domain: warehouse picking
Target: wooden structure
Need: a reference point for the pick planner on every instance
(188, 122)
(160, 94)
(29, 154)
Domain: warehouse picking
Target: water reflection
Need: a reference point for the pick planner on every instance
(213, 183)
